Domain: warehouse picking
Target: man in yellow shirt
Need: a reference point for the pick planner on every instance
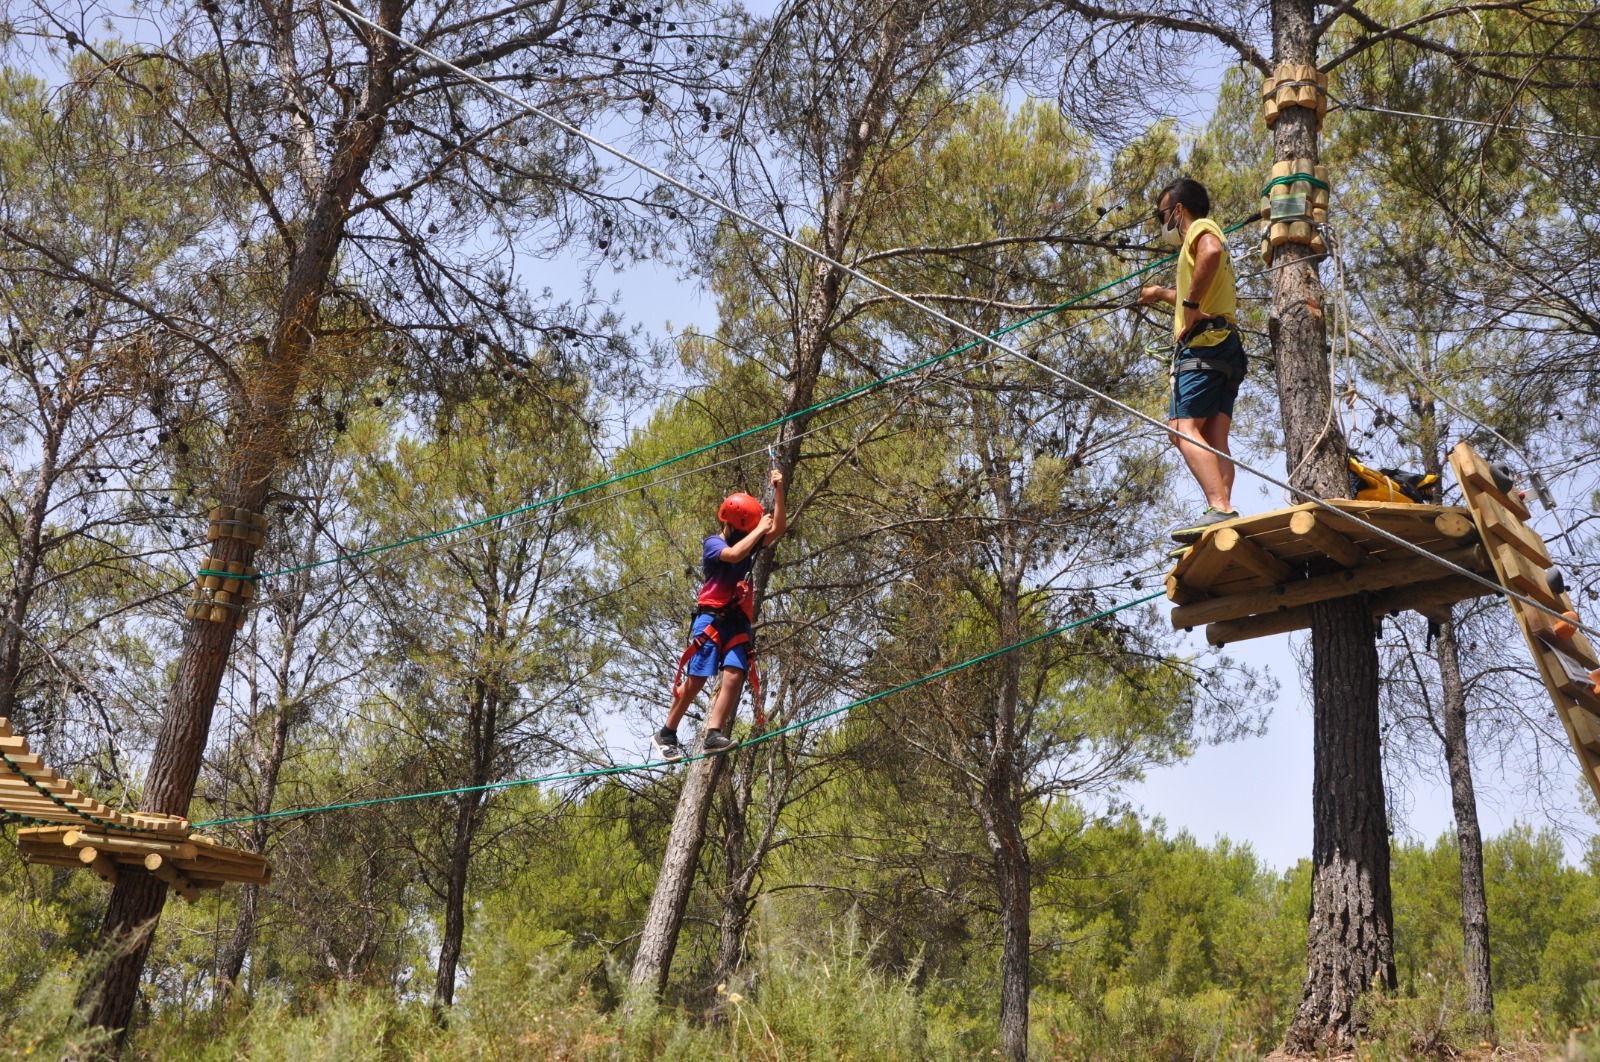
(1209, 361)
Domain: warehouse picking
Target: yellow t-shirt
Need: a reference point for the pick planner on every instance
(1220, 301)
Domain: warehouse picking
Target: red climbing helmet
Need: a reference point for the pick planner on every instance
(740, 511)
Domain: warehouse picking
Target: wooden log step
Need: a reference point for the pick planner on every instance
(1399, 572)
(11, 784)
(1228, 543)
(176, 880)
(103, 868)
(1315, 530)
(1585, 726)
(175, 849)
(1525, 578)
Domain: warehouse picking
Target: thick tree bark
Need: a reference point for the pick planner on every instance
(1350, 939)
(1350, 935)
(261, 445)
(738, 868)
(659, 937)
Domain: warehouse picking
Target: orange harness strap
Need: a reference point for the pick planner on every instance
(714, 636)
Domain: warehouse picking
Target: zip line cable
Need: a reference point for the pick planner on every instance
(634, 768)
(1449, 120)
(978, 338)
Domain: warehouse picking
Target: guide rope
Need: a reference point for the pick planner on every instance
(634, 768)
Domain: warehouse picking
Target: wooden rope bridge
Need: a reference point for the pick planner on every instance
(1260, 575)
(68, 829)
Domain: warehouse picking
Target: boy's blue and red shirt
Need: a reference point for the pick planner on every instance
(721, 587)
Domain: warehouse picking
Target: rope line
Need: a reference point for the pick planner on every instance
(1543, 130)
(602, 772)
(779, 422)
(939, 315)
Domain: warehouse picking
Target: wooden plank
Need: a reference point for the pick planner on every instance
(1475, 470)
(1229, 543)
(1203, 563)
(1435, 595)
(5, 727)
(1315, 530)
(1525, 578)
(1569, 675)
(1399, 572)
(242, 875)
(1586, 726)
(1512, 531)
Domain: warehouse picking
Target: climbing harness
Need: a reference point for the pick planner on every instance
(1234, 370)
(742, 610)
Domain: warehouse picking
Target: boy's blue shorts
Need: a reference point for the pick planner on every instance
(1199, 394)
(706, 662)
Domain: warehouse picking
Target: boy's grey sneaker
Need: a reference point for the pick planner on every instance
(1191, 532)
(716, 742)
(667, 745)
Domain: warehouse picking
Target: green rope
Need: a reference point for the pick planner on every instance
(602, 772)
(1292, 178)
(230, 575)
(817, 407)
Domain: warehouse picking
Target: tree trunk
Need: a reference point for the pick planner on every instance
(1350, 941)
(1013, 872)
(659, 937)
(269, 766)
(455, 902)
(26, 566)
(1453, 734)
(261, 444)
(738, 870)
(1350, 934)
(999, 807)
(1469, 836)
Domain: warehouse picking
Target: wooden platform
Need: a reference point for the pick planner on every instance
(1520, 562)
(1260, 575)
(69, 829)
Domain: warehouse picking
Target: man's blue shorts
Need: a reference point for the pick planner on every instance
(706, 662)
(1199, 393)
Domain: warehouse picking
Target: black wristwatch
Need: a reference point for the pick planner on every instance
(1191, 305)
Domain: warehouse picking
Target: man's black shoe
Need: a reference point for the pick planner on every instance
(1210, 518)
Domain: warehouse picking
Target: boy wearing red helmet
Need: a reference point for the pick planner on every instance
(720, 637)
